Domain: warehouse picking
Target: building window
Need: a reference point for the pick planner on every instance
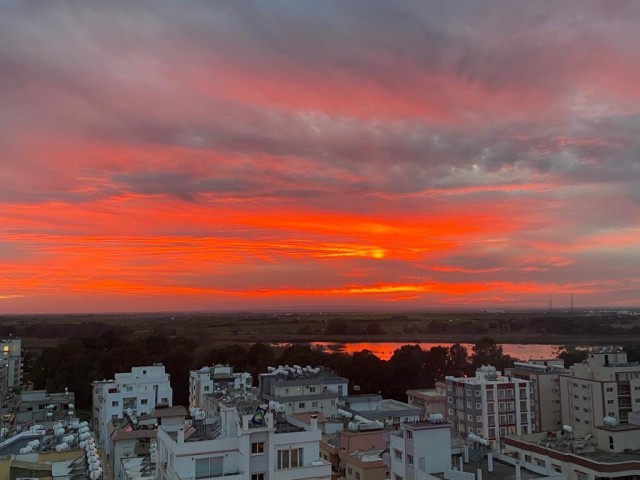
(314, 404)
(290, 458)
(143, 401)
(301, 405)
(349, 471)
(609, 389)
(397, 454)
(409, 434)
(469, 405)
(478, 406)
(410, 459)
(312, 389)
(478, 418)
(164, 400)
(209, 467)
(478, 393)
(114, 403)
(257, 448)
(257, 476)
(490, 395)
(357, 475)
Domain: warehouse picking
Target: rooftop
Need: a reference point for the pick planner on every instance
(585, 448)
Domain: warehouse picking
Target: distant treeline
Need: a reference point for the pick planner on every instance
(75, 363)
(61, 330)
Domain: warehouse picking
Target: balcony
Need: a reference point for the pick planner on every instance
(226, 476)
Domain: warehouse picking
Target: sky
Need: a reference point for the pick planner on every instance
(293, 155)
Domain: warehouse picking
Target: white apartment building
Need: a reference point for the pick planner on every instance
(139, 390)
(419, 449)
(490, 405)
(544, 376)
(11, 360)
(251, 442)
(605, 384)
(303, 389)
(212, 379)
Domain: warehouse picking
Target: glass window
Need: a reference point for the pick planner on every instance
(257, 447)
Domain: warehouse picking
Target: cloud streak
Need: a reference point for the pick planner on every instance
(252, 155)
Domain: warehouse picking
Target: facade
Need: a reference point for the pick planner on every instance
(303, 390)
(605, 384)
(417, 449)
(138, 391)
(431, 400)
(248, 443)
(341, 449)
(544, 376)
(365, 465)
(11, 360)
(490, 405)
(217, 378)
(38, 406)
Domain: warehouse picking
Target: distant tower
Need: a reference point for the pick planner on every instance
(572, 303)
(550, 302)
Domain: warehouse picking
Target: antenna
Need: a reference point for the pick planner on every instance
(550, 302)
(572, 303)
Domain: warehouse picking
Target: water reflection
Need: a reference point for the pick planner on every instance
(384, 350)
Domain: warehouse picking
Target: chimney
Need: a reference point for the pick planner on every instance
(181, 435)
(314, 422)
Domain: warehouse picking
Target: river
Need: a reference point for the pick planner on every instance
(384, 350)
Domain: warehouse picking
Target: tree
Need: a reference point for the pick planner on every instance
(487, 352)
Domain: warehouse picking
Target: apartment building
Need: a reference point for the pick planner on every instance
(544, 376)
(430, 400)
(250, 442)
(136, 392)
(610, 452)
(37, 406)
(419, 449)
(217, 378)
(303, 389)
(490, 405)
(340, 447)
(604, 385)
(373, 408)
(11, 361)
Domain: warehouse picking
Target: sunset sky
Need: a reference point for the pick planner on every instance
(209, 155)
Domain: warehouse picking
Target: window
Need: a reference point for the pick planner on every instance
(312, 389)
(478, 393)
(357, 475)
(301, 405)
(609, 389)
(314, 404)
(609, 402)
(143, 401)
(114, 403)
(489, 394)
(289, 458)
(470, 417)
(208, 467)
(257, 476)
(478, 406)
(478, 418)
(349, 471)
(257, 448)
(469, 405)
(164, 400)
(397, 454)
(409, 434)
